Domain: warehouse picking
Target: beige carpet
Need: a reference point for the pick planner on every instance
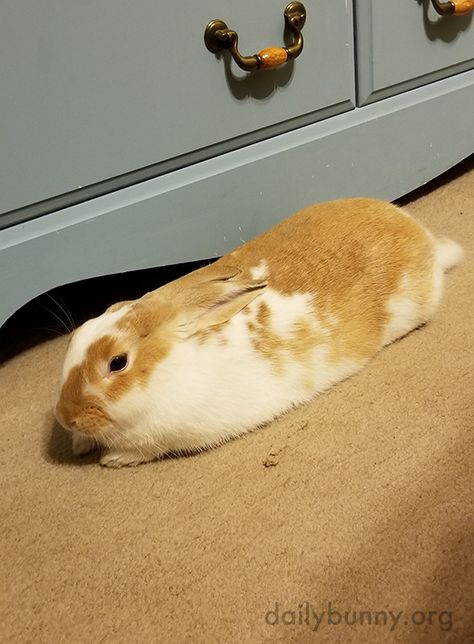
(359, 502)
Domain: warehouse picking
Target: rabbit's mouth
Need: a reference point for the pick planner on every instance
(90, 420)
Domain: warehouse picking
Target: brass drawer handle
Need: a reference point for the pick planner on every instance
(453, 7)
(218, 36)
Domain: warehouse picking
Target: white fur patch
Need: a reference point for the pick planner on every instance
(259, 272)
(87, 334)
(448, 253)
(404, 309)
(286, 310)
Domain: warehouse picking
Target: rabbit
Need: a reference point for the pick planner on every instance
(236, 343)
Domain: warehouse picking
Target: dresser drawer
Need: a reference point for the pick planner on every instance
(402, 45)
(93, 90)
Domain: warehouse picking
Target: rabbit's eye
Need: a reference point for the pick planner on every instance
(118, 362)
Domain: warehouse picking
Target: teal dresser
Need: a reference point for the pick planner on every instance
(125, 143)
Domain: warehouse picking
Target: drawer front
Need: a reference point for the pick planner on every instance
(93, 90)
(402, 45)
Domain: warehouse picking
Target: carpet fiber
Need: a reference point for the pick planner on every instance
(349, 519)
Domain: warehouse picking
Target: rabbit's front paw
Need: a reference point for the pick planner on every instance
(124, 459)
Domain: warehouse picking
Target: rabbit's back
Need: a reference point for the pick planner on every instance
(362, 261)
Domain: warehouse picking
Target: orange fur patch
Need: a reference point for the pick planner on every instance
(215, 332)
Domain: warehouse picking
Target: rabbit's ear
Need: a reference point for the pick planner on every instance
(215, 302)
